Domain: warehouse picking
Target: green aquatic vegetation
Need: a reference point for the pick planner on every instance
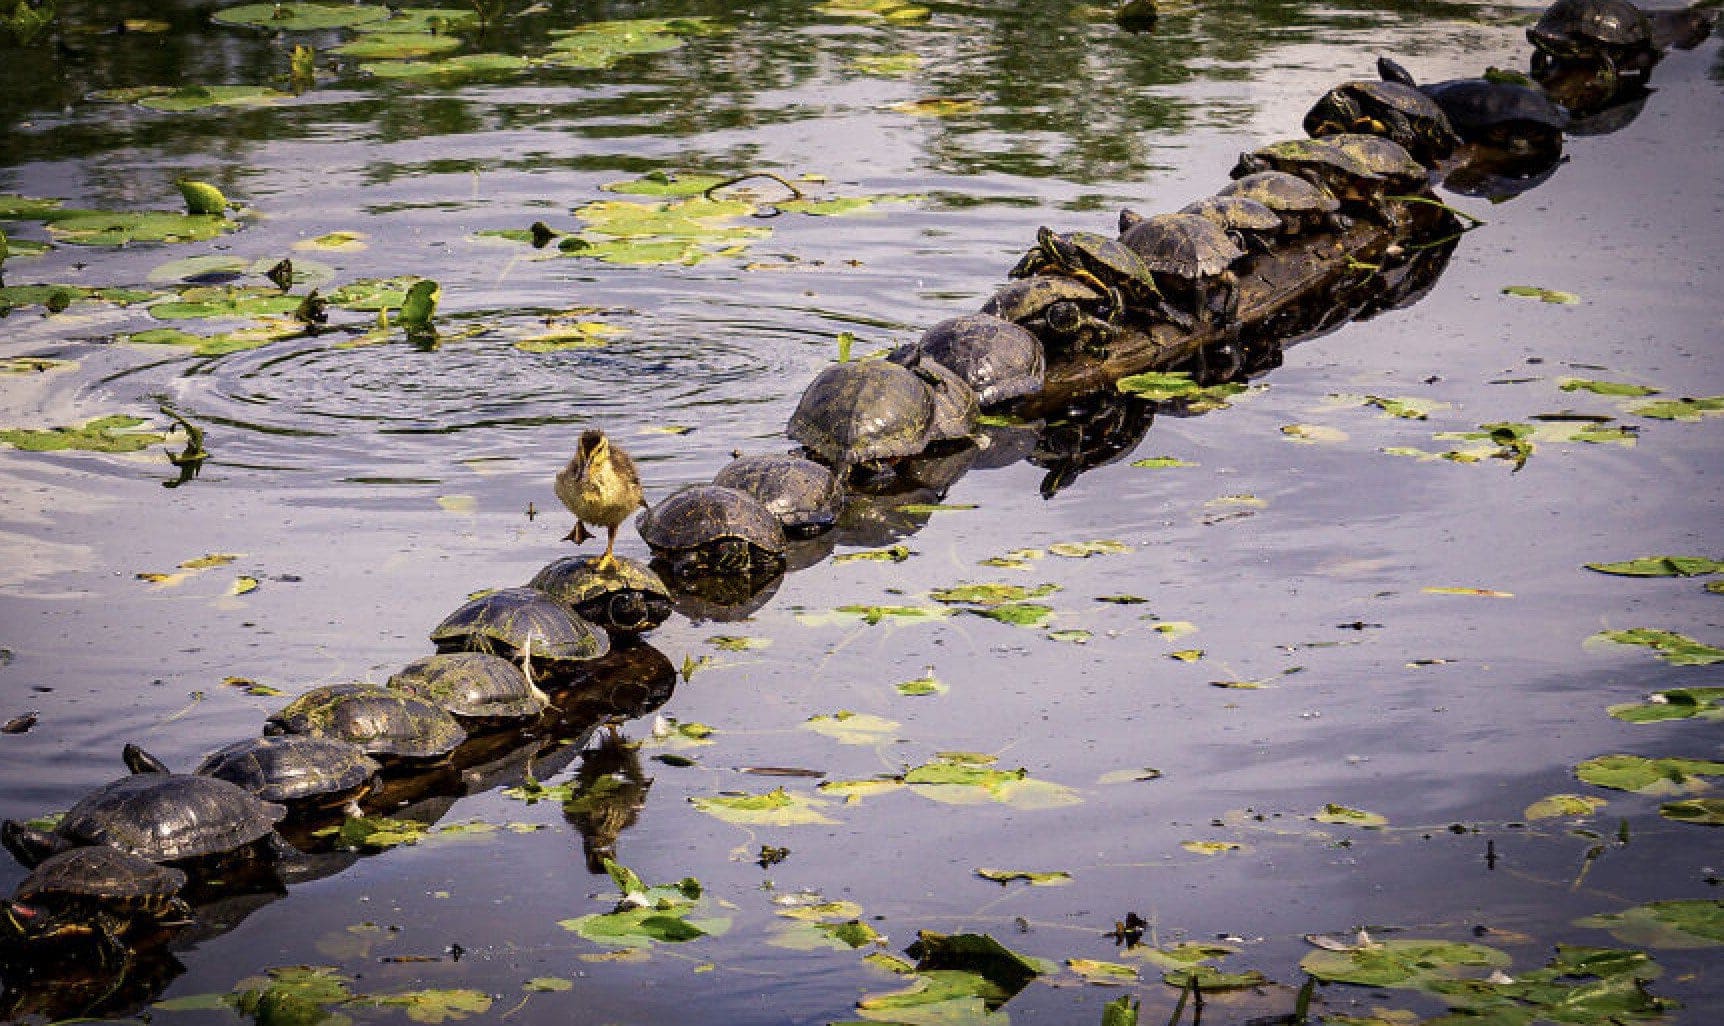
(645, 915)
(1563, 806)
(460, 64)
(372, 294)
(431, 1005)
(1208, 978)
(202, 302)
(1162, 462)
(419, 305)
(115, 433)
(1084, 550)
(1543, 295)
(1169, 385)
(874, 615)
(602, 44)
(1346, 816)
(117, 228)
(967, 781)
(894, 65)
(181, 99)
(1121, 1011)
(1579, 985)
(216, 345)
(1402, 963)
(990, 594)
(1403, 407)
(853, 728)
(853, 791)
(564, 336)
(1705, 811)
(667, 184)
(1052, 878)
(24, 365)
(897, 11)
(201, 197)
(378, 832)
(436, 20)
(59, 297)
(1657, 777)
(694, 226)
(1314, 434)
(1105, 973)
(1211, 847)
(1018, 614)
(1676, 649)
(894, 554)
(14, 207)
(1705, 703)
(300, 17)
(939, 996)
(834, 925)
(777, 807)
(335, 242)
(1686, 923)
(1680, 409)
(1661, 566)
(936, 106)
(738, 643)
(927, 684)
(397, 45)
(1611, 388)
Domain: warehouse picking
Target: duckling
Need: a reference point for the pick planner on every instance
(601, 487)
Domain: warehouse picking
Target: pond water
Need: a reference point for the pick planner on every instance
(1311, 621)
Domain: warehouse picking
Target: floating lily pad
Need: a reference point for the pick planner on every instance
(1209, 978)
(853, 791)
(1105, 973)
(990, 594)
(938, 997)
(602, 44)
(852, 728)
(1706, 811)
(104, 228)
(962, 781)
(1402, 963)
(1446, 589)
(927, 684)
(1211, 847)
(245, 301)
(894, 554)
(642, 927)
(379, 832)
(372, 294)
(1314, 434)
(25, 365)
(1162, 462)
(199, 266)
(1071, 635)
(1346, 816)
(59, 297)
(215, 345)
(1673, 704)
(397, 45)
(300, 17)
(1676, 649)
(432, 1005)
(1580, 985)
(1680, 409)
(1612, 388)
(14, 207)
(1648, 776)
(197, 97)
(777, 807)
(423, 19)
(1018, 614)
(892, 10)
(113, 433)
(1541, 294)
(1562, 806)
(458, 65)
(936, 106)
(874, 615)
(894, 65)
(1693, 923)
(666, 183)
(1084, 550)
(1661, 566)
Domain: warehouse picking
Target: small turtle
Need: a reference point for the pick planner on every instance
(1302, 204)
(626, 596)
(1058, 310)
(94, 892)
(306, 774)
(1393, 110)
(523, 625)
(1507, 114)
(162, 817)
(956, 408)
(1614, 33)
(804, 495)
(1249, 223)
(1100, 262)
(476, 688)
(863, 412)
(999, 360)
(1187, 253)
(385, 724)
(713, 530)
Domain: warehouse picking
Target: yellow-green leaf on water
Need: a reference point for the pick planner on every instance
(547, 984)
(1661, 566)
(160, 580)
(1561, 806)
(935, 106)
(1402, 407)
(1187, 655)
(115, 433)
(666, 429)
(336, 242)
(1053, 878)
(894, 554)
(431, 1005)
(992, 594)
(171, 100)
(1084, 550)
(927, 684)
(1105, 973)
(202, 197)
(1017, 559)
(1018, 614)
(917, 508)
(777, 807)
(1071, 635)
(1343, 815)
(1680, 409)
(1612, 388)
(1707, 811)
(738, 643)
(1314, 433)
(34, 365)
(666, 183)
(853, 791)
(573, 335)
(1676, 649)
(420, 303)
(873, 615)
(423, 19)
(1210, 979)
(1172, 629)
(852, 728)
(447, 67)
(897, 65)
(1211, 847)
(1657, 777)
(243, 585)
(1162, 462)
(1159, 385)
(961, 781)
(104, 228)
(1540, 294)
(1705, 703)
(300, 17)
(1403, 963)
(1687, 923)
(397, 45)
(211, 560)
(1479, 592)
(378, 832)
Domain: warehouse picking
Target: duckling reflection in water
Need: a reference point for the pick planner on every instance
(612, 790)
(601, 487)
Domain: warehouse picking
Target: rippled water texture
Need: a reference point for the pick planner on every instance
(366, 487)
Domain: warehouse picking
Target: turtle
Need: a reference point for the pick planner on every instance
(1320, 161)
(956, 407)
(804, 495)
(476, 688)
(863, 412)
(1187, 253)
(625, 597)
(520, 624)
(1301, 203)
(708, 529)
(1393, 110)
(1510, 114)
(387, 725)
(307, 774)
(1057, 309)
(1251, 224)
(999, 360)
(161, 817)
(1614, 33)
(92, 892)
(1100, 262)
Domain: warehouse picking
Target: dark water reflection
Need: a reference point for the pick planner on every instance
(371, 489)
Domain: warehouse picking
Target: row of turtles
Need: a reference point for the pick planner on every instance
(119, 859)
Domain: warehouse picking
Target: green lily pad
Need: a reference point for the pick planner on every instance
(1680, 409)
(460, 64)
(1661, 566)
(1676, 649)
(894, 554)
(1402, 963)
(1105, 973)
(1345, 816)
(1211, 847)
(1071, 635)
(738, 643)
(927, 684)
(379, 832)
(965, 781)
(874, 615)
(1162, 462)
(114, 433)
(602, 44)
(1673, 704)
(202, 197)
(1018, 614)
(1689, 923)
(990, 594)
(1706, 811)
(642, 927)
(1648, 776)
(548, 984)
(1563, 806)
(1612, 388)
(300, 17)
(198, 97)
(1208, 978)
(853, 791)
(666, 183)
(397, 45)
(25, 365)
(423, 19)
(215, 345)
(893, 65)
(1054, 878)
(191, 267)
(777, 807)
(105, 228)
(1159, 385)
(1580, 985)
(1541, 294)
(1084, 550)
(1314, 434)
(202, 302)
(372, 294)
(14, 207)
(433, 1005)
(853, 728)
(58, 297)
(939, 997)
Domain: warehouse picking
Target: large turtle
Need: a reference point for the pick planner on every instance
(1499, 111)
(161, 817)
(521, 624)
(386, 725)
(94, 892)
(1302, 204)
(863, 412)
(804, 495)
(477, 688)
(306, 774)
(1393, 110)
(625, 597)
(956, 405)
(1614, 33)
(705, 530)
(999, 360)
(1188, 254)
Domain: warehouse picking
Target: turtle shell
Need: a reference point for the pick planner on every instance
(1184, 245)
(1322, 161)
(1283, 193)
(956, 409)
(801, 493)
(381, 722)
(1572, 27)
(1500, 113)
(863, 410)
(1235, 213)
(701, 516)
(294, 768)
(1385, 157)
(503, 622)
(166, 817)
(105, 877)
(471, 686)
(1390, 109)
(999, 360)
(1029, 298)
(625, 596)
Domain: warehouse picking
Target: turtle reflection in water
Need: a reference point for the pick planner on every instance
(1100, 430)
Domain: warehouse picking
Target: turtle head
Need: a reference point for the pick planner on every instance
(139, 761)
(627, 610)
(29, 845)
(22, 923)
(1129, 219)
(1390, 70)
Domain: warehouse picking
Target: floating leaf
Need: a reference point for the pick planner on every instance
(547, 984)
(1661, 566)
(378, 832)
(116, 433)
(1211, 847)
(853, 728)
(777, 807)
(897, 65)
(570, 335)
(990, 594)
(1708, 811)
(1172, 629)
(1314, 433)
(1159, 385)
(1162, 462)
(34, 365)
(431, 1005)
(1673, 704)
(1540, 294)
(397, 45)
(937, 997)
(935, 106)
(1341, 814)
(458, 65)
(338, 242)
(637, 927)
(853, 791)
(1561, 806)
(1612, 388)
(214, 345)
(1208, 979)
(927, 684)
(924, 508)
(1084, 550)
(1187, 655)
(1680, 409)
(202, 197)
(1054, 878)
(1479, 592)
(1402, 963)
(738, 643)
(1130, 775)
(1692, 923)
(895, 554)
(1106, 973)
(963, 781)
(300, 17)
(103, 228)
(873, 615)
(1648, 776)
(1018, 614)
(1673, 648)
(243, 585)
(208, 302)
(1071, 635)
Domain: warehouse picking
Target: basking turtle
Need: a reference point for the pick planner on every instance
(626, 596)
(802, 494)
(1100, 262)
(1320, 161)
(476, 688)
(1057, 309)
(863, 412)
(94, 892)
(1393, 110)
(710, 529)
(306, 774)
(385, 724)
(956, 407)
(999, 360)
(1498, 111)
(523, 625)
(1302, 204)
(1249, 223)
(1187, 253)
(161, 817)
(1614, 33)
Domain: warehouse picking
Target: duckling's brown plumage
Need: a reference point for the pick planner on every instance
(601, 487)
